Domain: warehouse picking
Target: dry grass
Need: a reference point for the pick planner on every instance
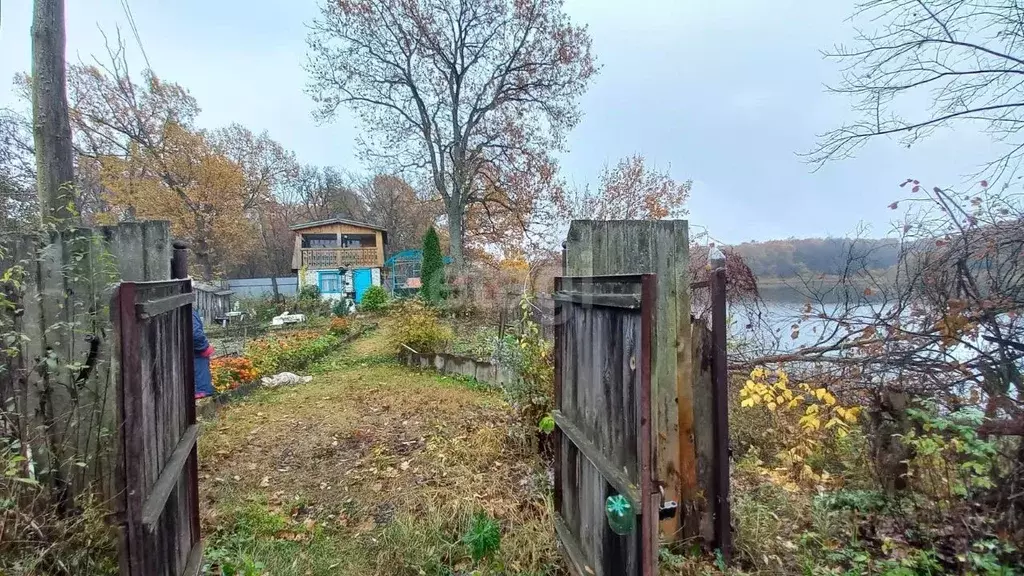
(376, 466)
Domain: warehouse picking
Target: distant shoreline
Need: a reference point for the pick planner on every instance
(791, 289)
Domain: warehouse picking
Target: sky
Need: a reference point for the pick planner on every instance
(724, 93)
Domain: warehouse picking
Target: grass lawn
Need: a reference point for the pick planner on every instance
(373, 469)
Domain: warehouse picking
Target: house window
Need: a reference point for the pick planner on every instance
(330, 282)
(319, 240)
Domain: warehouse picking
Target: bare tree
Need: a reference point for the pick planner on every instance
(394, 205)
(461, 90)
(18, 198)
(322, 193)
(944, 323)
(924, 65)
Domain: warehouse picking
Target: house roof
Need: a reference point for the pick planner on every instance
(305, 225)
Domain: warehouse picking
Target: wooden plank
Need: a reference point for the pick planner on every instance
(648, 509)
(631, 301)
(172, 470)
(577, 561)
(703, 429)
(27, 389)
(159, 306)
(130, 432)
(559, 353)
(57, 404)
(195, 560)
(617, 478)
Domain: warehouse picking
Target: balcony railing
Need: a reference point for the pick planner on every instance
(322, 258)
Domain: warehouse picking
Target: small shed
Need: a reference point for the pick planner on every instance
(213, 302)
(403, 271)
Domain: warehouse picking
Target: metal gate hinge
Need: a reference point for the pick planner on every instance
(668, 508)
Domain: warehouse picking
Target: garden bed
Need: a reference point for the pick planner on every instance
(236, 377)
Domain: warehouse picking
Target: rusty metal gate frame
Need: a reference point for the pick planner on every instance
(647, 494)
(141, 506)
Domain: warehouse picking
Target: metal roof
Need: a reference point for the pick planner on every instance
(411, 255)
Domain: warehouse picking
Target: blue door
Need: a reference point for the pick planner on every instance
(361, 281)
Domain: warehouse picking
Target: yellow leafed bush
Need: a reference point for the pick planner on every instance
(804, 416)
(420, 328)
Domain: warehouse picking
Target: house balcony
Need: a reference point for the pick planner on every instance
(334, 258)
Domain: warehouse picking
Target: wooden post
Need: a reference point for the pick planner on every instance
(51, 128)
(720, 399)
(179, 260)
(660, 247)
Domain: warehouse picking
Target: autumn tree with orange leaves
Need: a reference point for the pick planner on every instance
(632, 190)
(459, 92)
(149, 161)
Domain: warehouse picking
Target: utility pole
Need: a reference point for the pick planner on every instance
(51, 127)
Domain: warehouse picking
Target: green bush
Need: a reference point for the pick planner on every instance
(309, 292)
(483, 537)
(310, 303)
(374, 300)
(340, 307)
(420, 328)
(432, 269)
(530, 358)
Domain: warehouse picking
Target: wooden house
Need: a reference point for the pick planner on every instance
(339, 256)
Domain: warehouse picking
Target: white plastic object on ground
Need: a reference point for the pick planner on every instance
(287, 318)
(284, 379)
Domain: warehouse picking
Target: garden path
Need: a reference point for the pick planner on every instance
(370, 469)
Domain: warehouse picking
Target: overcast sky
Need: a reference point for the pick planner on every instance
(726, 93)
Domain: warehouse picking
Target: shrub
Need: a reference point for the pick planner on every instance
(309, 292)
(483, 537)
(479, 343)
(529, 356)
(420, 328)
(339, 326)
(340, 307)
(231, 372)
(312, 307)
(263, 309)
(374, 300)
(432, 269)
(805, 417)
(38, 537)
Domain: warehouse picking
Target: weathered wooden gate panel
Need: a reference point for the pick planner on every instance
(659, 247)
(159, 472)
(603, 332)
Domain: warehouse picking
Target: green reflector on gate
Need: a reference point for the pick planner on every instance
(620, 513)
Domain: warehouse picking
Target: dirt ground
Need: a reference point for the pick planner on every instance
(371, 468)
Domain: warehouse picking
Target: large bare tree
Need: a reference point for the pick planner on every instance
(394, 205)
(324, 192)
(922, 65)
(461, 90)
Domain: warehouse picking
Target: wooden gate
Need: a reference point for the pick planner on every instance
(159, 500)
(603, 445)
